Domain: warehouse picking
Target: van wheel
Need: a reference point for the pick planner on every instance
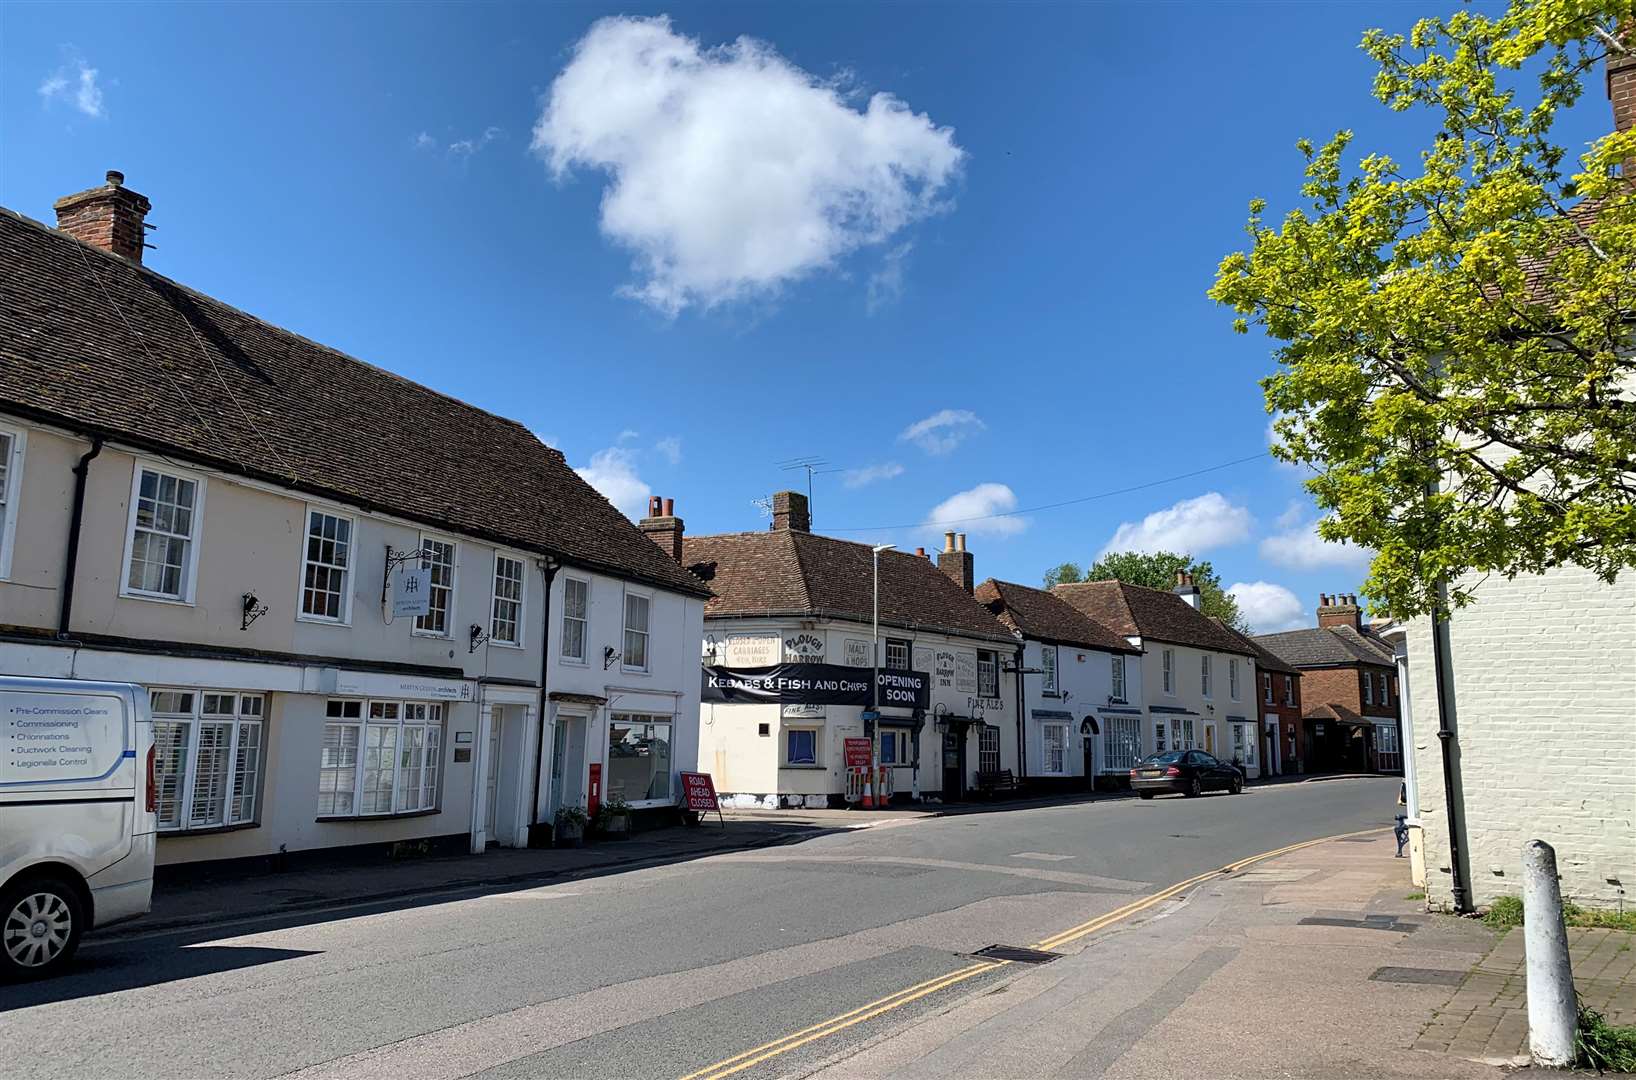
(41, 920)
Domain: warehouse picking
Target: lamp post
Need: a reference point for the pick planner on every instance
(874, 682)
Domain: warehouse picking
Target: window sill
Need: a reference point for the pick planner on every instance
(377, 817)
(210, 830)
(507, 644)
(319, 620)
(430, 635)
(573, 661)
(173, 601)
(635, 671)
(805, 768)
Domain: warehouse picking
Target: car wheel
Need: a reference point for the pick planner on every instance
(1194, 788)
(1144, 794)
(1235, 785)
(41, 920)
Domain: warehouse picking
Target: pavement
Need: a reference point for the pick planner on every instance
(848, 951)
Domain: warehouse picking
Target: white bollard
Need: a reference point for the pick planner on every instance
(1553, 1016)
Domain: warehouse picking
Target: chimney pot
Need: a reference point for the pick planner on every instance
(1181, 577)
(948, 541)
(960, 542)
(670, 508)
(115, 178)
(920, 551)
(663, 527)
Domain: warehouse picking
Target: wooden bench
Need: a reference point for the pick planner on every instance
(991, 783)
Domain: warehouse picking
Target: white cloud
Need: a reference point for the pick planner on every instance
(613, 473)
(1299, 547)
(869, 474)
(75, 82)
(671, 447)
(1268, 608)
(942, 431)
(886, 283)
(628, 435)
(423, 141)
(465, 148)
(732, 172)
(983, 511)
(1190, 527)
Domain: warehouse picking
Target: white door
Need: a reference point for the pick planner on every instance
(491, 787)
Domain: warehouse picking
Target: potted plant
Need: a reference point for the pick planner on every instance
(613, 818)
(571, 821)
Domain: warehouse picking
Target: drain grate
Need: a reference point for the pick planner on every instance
(1016, 954)
(1431, 976)
(1368, 922)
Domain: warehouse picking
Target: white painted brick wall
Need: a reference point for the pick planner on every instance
(1545, 714)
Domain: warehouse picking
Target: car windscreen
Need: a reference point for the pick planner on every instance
(1170, 758)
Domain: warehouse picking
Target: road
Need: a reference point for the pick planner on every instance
(708, 968)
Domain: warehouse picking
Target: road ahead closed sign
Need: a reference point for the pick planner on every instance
(59, 738)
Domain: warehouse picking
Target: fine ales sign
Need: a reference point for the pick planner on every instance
(814, 684)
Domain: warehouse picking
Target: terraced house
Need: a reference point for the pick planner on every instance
(193, 499)
(1197, 677)
(790, 595)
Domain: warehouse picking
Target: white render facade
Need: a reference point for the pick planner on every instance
(323, 722)
(794, 755)
(1085, 712)
(1203, 699)
(1544, 695)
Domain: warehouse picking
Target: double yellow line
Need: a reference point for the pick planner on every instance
(835, 1024)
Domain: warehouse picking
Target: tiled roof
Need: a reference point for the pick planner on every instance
(1334, 712)
(103, 346)
(1153, 613)
(1326, 646)
(1045, 616)
(790, 572)
(1265, 658)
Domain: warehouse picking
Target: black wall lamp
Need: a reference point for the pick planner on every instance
(253, 609)
(478, 636)
(608, 657)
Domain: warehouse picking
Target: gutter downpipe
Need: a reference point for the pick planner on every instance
(1446, 739)
(81, 471)
(536, 835)
(1022, 722)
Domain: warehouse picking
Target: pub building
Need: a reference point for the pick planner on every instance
(792, 612)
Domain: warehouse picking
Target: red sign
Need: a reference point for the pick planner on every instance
(857, 753)
(698, 792)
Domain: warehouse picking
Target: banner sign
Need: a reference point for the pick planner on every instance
(814, 684)
(803, 648)
(857, 753)
(698, 792)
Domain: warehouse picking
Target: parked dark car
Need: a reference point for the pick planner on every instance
(1189, 772)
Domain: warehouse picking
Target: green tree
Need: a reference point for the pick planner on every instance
(1066, 574)
(1158, 571)
(1454, 334)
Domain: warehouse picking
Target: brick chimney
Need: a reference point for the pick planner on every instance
(955, 561)
(791, 512)
(663, 526)
(1621, 81)
(1340, 609)
(109, 217)
(1185, 589)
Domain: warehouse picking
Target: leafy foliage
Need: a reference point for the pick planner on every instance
(1066, 574)
(1454, 356)
(1158, 571)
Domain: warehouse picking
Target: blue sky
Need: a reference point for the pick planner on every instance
(682, 264)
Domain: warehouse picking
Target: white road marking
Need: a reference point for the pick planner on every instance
(1042, 856)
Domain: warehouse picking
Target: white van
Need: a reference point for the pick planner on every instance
(77, 801)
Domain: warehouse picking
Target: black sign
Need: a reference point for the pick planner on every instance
(814, 684)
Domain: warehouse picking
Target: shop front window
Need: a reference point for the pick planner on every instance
(639, 757)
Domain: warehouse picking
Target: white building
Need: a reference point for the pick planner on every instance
(1082, 689)
(206, 504)
(1540, 700)
(788, 595)
(1197, 678)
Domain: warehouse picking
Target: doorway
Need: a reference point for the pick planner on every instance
(954, 765)
(567, 764)
(491, 782)
(1209, 738)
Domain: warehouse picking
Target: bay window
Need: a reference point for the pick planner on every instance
(207, 757)
(161, 543)
(639, 757)
(379, 757)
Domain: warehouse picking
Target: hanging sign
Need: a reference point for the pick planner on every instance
(411, 591)
(814, 684)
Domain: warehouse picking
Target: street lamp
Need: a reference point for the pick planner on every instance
(874, 685)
